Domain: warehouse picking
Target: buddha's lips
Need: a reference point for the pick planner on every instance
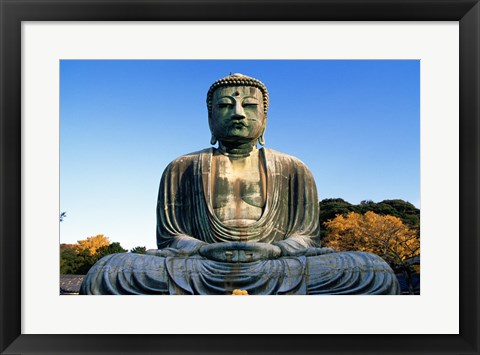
(239, 123)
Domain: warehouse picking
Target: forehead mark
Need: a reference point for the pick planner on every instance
(242, 91)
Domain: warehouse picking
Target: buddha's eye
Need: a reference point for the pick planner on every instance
(224, 105)
(250, 104)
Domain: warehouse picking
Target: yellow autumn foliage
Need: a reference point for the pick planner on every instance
(92, 244)
(238, 292)
(385, 236)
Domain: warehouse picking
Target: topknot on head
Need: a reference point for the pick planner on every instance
(237, 79)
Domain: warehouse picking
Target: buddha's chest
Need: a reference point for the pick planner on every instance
(238, 189)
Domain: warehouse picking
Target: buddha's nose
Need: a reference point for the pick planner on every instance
(238, 112)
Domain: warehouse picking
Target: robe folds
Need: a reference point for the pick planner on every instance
(290, 219)
(184, 203)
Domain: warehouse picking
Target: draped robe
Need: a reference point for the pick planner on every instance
(185, 209)
(290, 219)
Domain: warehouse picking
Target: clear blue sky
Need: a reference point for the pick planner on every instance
(356, 124)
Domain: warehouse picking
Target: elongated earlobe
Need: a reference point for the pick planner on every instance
(261, 140)
(213, 140)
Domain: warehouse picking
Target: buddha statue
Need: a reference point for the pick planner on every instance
(239, 217)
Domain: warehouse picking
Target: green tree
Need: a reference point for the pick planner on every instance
(139, 250)
(110, 249)
(86, 261)
(69, 262)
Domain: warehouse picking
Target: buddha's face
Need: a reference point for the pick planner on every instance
(237, 114)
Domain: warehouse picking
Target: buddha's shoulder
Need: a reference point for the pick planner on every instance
(190, 158)
(284, 158)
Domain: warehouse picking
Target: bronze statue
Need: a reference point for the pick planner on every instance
(239, 218)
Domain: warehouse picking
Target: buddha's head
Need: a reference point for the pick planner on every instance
(237, 109)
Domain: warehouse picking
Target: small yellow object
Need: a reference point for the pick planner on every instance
(238, 292)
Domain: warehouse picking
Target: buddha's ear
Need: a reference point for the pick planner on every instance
(261, 139)
(213, 140)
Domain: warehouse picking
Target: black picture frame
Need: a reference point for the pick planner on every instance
(13, 12)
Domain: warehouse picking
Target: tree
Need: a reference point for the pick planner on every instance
(68, 259)
(92, 243)
(331, 207)
(139, 250)
(75, 261)
(110, 249)
(85, 261)
(78, 258)
(407, 212)
(386, 236)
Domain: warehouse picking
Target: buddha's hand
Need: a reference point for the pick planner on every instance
(164, 252)
(311, 251)
(315, 251)
(239, 252)
(182, 246)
